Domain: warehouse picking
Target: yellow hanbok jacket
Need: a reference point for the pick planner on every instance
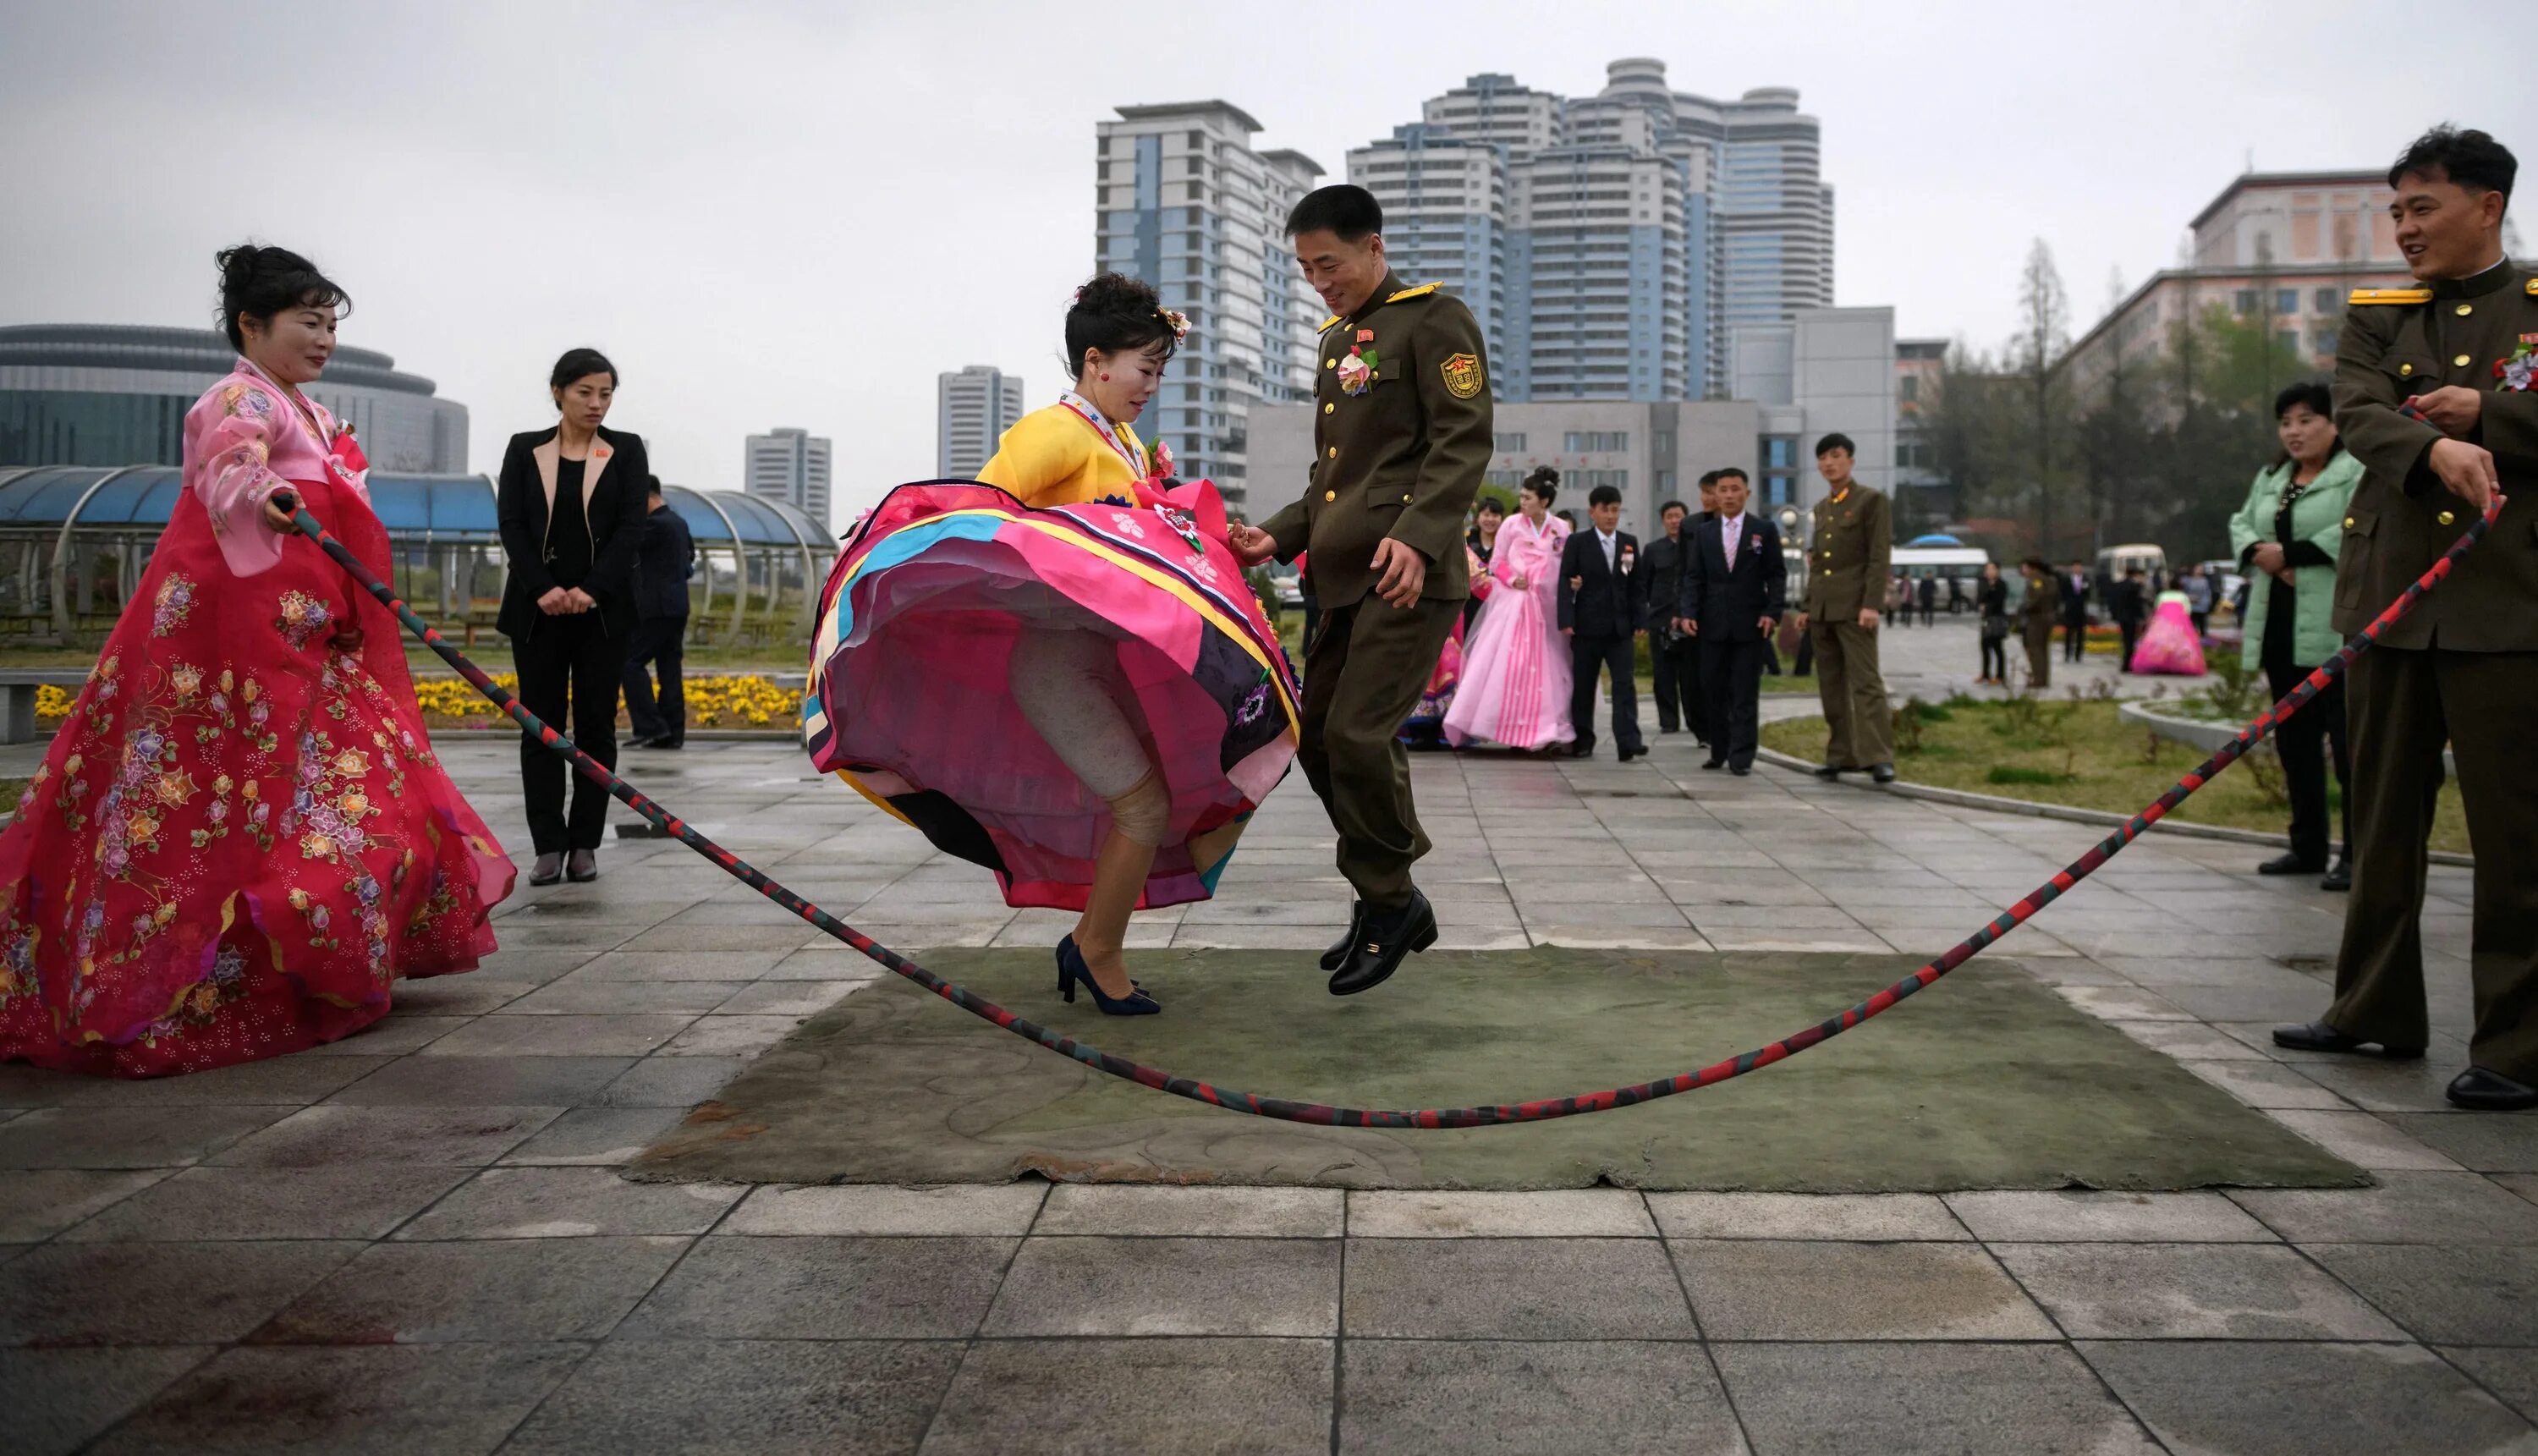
(1058, 457)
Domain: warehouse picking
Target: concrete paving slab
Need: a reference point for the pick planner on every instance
(428, 1081)
(1099, 1286)
(158, 1294)
(2189, 1292)
(420, 1399)
(1921, 1399)
(523, 1290)
(881, 1209)
(1100, 1396)
(1133, 1209)
(1762, 1289)
(333, 1134)
(2458, 1295)
(1556, 1213)
(1875, 1217)
(56, 1400)
(2082, 1215)
(569, 1203)
(362, 1201)
(2457, 1208)
(826, 1288)
(2305, 1399)
(1513, 1288)
(1523, 1396)
(745, 1397)
(126, 1136)
(38, 1203)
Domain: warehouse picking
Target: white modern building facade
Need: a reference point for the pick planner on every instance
(1613, 246)
(791, 466)
(973, 410)
(1186, 202)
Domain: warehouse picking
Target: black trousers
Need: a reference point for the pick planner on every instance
(1678, 680)
(658, 641)
(1586, 656)
(569, 666)
(1995, 657)
(2131, 632)
(1731, 678)
(2075, 640)
(2302, 742)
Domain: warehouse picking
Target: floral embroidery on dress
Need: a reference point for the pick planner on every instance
(253, 404)
(174, 604)
(302, 617)
(1126, 524)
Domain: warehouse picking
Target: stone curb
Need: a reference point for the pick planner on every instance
(1965, 799)
(2202, 733)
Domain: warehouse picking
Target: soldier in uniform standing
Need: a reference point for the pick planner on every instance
(1401, 438)
(1853, 549)
(2434, 395)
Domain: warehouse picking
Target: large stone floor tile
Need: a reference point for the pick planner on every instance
(2106, 1217)
(505, 1035)
(596, 1137)
(159, 1294)
(2462, 1295)
(575, 996)
(571, 1202)
(1266, 1396)
(1876, 1216)
(1130, 1208)
(38, 1203)
(1513, 1288)
(1925, 1400)
(878, 1209)
(2307, 1398)
(426, 1399)
(335, 1133)
(826, 1288)
(1757, 1290)
(1094, 1286)
(721, 1035)
(2366, 1140)
(2408, 1208)
(748, 1398)
(690, 965)
(427, 1081)
(1557, 1213)
(126, 1136)
(2483, 1142)
(287, 1082)
(53, 1401)
(2511, 1374)
(664, 1081)
(1514, 1399)
(524, 1289)
(2199, 1292)
(361, 1201)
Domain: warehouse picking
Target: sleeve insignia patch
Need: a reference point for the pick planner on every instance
(1462, 373)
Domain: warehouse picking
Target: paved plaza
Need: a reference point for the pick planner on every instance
(419, 1239)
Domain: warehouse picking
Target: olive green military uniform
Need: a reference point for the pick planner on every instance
(2462, 668)
(2036, 629)
(1401, 437)
(1849, 556)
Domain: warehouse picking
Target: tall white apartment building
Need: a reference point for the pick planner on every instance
(1610, 244)
(973, 410)
(1185, 201)
(788, 465)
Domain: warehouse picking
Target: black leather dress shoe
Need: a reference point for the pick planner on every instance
(2480, 1089)
(1827, 770)
(2291, 864)
(1581, 751)
(1741, 770)
(2320, 1037)
(1882, 772)
(1383, 940)
(1347, 942)
(1714, 763)
(1641, 752)
(2338, 878)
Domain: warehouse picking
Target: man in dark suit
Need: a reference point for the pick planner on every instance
(2129, 605)
(664, 560)
(1599, 615)
(1735, 586)
(2074, 593)
(1659, 580)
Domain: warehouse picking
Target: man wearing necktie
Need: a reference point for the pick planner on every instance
(1734, 590)
(1599, 615)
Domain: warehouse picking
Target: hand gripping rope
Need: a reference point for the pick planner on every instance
(1540, 1111)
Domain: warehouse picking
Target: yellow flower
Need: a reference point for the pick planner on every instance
(352, 763)
(355, 804)
(144, 827)
(248, 693)
(228, 681)
(72, 765)
(166, 912)
(223, 784)
(299, 898)
(318, 846)
(246, 790)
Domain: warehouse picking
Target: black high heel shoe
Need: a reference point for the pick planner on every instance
(1072, 969)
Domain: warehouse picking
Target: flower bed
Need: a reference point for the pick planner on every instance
(723, 702)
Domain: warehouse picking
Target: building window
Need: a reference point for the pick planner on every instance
(2246, 301)
(2326, 340)
(2325, 301)
(2287, 300)
(1510, 442)
(1197, 139)
(1910, 388)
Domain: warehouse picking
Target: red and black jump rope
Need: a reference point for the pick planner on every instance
(1284, 1108)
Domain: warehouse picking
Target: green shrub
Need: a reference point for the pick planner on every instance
(2013, 774)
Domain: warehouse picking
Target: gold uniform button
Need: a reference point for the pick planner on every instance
(2405, 369)
(2348, 523)
(1326, 409)
(1330, 495)
(1405, 500)
(2460, 362)
(2446, 519)
(1330, 363)
(2464, 310)
(1335, 452)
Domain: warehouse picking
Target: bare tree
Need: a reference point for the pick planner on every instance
(2044, 320)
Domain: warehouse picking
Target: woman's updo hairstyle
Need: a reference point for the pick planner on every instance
(1544, 483)
(261, 281)
(581, 363)
(1115, 313)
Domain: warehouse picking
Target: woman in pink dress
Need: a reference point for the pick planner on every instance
(240, 838)
(1514, 689)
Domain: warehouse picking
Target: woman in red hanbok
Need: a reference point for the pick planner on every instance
(240, 836)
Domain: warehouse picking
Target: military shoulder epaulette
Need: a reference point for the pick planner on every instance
(1324, 326)
(1425, 288)
(2391, 295)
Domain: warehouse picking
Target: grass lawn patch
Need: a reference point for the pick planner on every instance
(2078, 753)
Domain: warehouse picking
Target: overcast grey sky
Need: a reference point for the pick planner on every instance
(795, 214)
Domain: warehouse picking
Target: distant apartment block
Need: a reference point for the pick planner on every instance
(789, 465)
(973, 410)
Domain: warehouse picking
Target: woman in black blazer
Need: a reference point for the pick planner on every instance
(572, 505)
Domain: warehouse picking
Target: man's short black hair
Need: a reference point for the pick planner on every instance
(652, 484)
(1673, 505)
(2472, 159)
(1739, 474)
(1708, 478)
(1604, 496)
(1835, 442)
(1350, 212)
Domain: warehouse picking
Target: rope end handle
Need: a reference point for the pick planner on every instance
(287, 501)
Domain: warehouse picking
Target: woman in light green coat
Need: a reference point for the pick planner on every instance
(2286, 538)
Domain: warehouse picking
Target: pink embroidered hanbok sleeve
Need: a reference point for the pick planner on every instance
(230, 434)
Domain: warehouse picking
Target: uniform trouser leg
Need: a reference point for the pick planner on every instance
(1833, 688)
(2039, 657)
(1732, 674)
(1362, 676)
(569, 668)
(1872, 722)
(2300, 743)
